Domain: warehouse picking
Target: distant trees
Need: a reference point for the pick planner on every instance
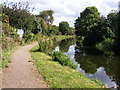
(55, 30)
(46, 19)
(65, 29)
(47, 28)
(47, 15)
(21, 18)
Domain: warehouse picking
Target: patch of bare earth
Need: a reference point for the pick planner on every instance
(21, 73)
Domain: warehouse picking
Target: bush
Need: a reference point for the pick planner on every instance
(45, 45)
(38, 36)
(107, 44)
(63, 60)
(7, 43)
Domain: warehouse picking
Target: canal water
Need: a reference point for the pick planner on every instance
(92, 62)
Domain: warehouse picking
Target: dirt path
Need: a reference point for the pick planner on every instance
(21, 73)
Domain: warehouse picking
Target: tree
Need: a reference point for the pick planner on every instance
(113, 21)
(19, 16)
(64, 28)
(46, 19)
(72, 31)
(54, 30)
(85, 25)
(88, 19)
(37, 25)
(47, 16)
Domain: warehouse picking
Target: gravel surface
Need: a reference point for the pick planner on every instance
(21, 73)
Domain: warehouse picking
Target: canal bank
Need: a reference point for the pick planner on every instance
(58, 76)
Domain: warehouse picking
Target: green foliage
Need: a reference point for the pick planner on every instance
(5, 58)
(114, 21)
(46, 19)
(63, 60)
(5, 18)
(47, 16)
(106, 44)
(37, 25)
(64, 44)
(9, 40)
(44, 27)
(96, 29)
(54, 30)
(80, 39)
(87, 20)
(45, 45)
(38, 36)
(86, 25)
(64, 28)
(21, 18)
(5, 24)
(7, 43)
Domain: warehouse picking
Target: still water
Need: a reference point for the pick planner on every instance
(92, 62)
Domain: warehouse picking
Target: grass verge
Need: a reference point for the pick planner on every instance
(5, 59)
(58, 76)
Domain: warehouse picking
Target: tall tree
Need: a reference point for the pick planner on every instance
(47, 15)
(86, 23)
(46, 19)
(113, 21)
(88, 19)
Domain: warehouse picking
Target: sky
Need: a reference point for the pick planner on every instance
(69, 10)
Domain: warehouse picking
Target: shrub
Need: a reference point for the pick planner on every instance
(7, 43)
(45, 45)
(63, 60)
(107, 44)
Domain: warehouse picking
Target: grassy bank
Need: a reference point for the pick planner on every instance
(5, 58)
(58, 76)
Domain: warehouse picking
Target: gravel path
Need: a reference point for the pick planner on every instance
(21, 72)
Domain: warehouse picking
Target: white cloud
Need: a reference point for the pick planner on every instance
(69, 10)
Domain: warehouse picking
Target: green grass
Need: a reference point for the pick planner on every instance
(5, 59)
(58, 76)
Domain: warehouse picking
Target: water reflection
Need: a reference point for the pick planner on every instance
(103, 68)
(92, 63)
(64, 44)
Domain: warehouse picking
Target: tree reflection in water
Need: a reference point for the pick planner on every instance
(92, 62)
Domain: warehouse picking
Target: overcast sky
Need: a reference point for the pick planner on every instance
(69, 10)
